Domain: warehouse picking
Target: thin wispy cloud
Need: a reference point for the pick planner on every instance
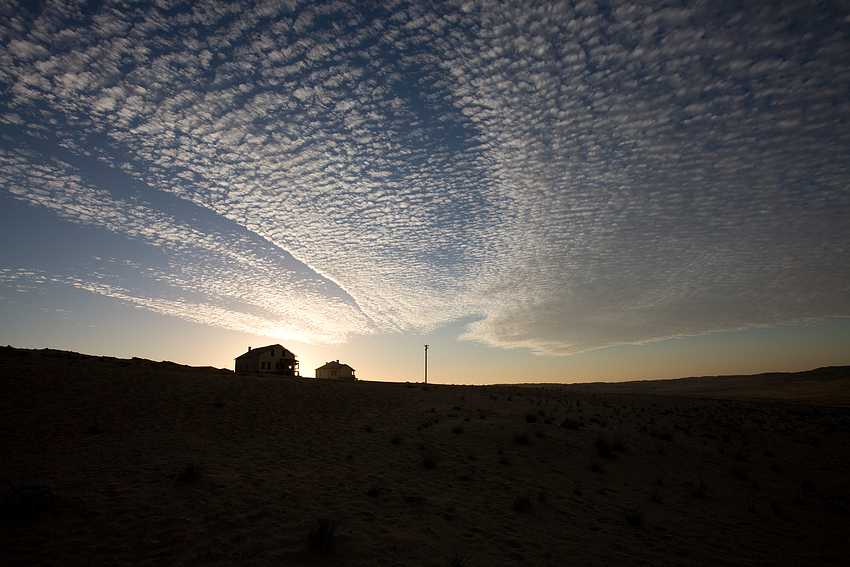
(571, 175)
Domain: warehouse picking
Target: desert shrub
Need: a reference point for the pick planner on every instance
(618, 445)
(741, 473)
(656, 496)
(596, 467)
(531, 417)
(322, 534)
(411, 497)
(522, 502)
(603, 449)
(832, 505)
(457, 429)
(700, 490)
(458, 559)
(578, 488)
(396, 439)
(24, 501)
(635, 515)
(429, 461)
(521, 437)
(663, 435)
(190, 473)
(570, 423)
(374, 489)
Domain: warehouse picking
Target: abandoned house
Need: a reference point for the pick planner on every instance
(272, 359)
(335, 370)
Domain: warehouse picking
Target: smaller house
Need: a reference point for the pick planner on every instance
(335, 371)
(272, 359)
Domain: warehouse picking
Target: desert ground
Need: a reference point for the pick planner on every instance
(147, 463)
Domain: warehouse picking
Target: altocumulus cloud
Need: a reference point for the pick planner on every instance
(570, 174)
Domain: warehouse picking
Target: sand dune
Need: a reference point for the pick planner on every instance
(502, 475)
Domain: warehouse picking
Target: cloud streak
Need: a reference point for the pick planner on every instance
(572, 175)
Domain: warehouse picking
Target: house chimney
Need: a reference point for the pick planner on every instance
(249, 349)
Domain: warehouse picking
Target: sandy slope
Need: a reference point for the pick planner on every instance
(278, 453)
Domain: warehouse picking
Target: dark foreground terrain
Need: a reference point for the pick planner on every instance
(132, 462)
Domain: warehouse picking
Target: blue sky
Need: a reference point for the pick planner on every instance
(546, 189)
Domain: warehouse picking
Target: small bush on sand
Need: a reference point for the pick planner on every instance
(322, 534)
(458, 559)
(634, 515)
(603, 449)
(429, 461)
(190, 473)
(522, 502)
(24, 501)
(741, 473)
(700, 490)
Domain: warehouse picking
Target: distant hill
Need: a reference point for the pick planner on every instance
(822, 386)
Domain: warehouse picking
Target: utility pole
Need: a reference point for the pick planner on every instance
(426, 364)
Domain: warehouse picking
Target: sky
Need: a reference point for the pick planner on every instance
(539, 191)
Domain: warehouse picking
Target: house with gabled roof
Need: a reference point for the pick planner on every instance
(335, 371)
(272, 359)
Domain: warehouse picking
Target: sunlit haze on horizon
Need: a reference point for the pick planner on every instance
(541, 191)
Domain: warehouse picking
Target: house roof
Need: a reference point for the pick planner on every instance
(257, 351)
(334, 365)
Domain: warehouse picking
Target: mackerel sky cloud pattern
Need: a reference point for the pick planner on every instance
(568, 175)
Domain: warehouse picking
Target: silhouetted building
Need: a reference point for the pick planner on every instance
(335, 370)
(272, 359)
